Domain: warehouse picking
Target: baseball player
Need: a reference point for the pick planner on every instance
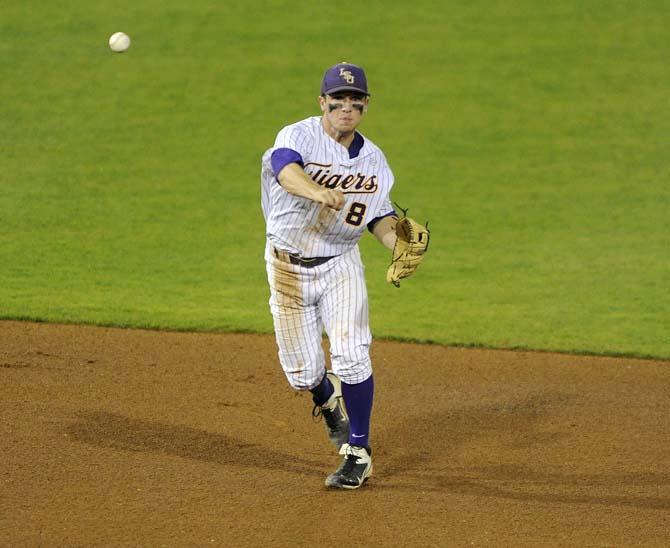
(323, 184)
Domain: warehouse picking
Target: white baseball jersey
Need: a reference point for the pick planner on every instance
(309, 229)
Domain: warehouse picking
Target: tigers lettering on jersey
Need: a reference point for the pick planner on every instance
(360, 183)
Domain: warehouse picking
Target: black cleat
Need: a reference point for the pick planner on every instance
(334, 414)
(355, 469)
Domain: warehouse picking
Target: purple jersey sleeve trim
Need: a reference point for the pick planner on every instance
(284, 156)
(356, 145)
(373, 222)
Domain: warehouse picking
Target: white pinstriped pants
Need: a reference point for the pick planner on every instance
(304, 302)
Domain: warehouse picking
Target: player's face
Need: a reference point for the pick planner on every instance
(344, 110)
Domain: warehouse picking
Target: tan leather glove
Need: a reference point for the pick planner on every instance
(409, 249)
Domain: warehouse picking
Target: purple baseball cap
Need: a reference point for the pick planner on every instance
(344, 76)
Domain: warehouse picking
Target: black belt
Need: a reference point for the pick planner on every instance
(307, 262)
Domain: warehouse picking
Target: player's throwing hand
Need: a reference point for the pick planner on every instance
(334, 199)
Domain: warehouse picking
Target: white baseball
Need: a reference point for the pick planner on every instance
(119, 42)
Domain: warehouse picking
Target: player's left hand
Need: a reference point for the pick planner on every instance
(410, 247)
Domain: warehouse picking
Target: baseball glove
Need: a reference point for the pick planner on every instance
(410, 246)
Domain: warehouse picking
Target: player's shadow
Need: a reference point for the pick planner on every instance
(419, 448)
(114, 431)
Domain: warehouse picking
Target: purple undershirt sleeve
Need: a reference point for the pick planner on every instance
(284, 156)
(373, 222)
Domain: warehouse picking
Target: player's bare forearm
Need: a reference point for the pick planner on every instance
(294, 180)
(384, 231)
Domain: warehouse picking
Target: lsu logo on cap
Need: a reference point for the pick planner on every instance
(347, 76)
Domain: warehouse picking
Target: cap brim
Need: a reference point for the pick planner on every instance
(346, 88)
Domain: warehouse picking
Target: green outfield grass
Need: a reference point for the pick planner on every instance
(535, 138)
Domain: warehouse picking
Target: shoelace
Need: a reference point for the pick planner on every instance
(349, 463)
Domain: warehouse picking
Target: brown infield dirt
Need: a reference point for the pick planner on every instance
(114, 437)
